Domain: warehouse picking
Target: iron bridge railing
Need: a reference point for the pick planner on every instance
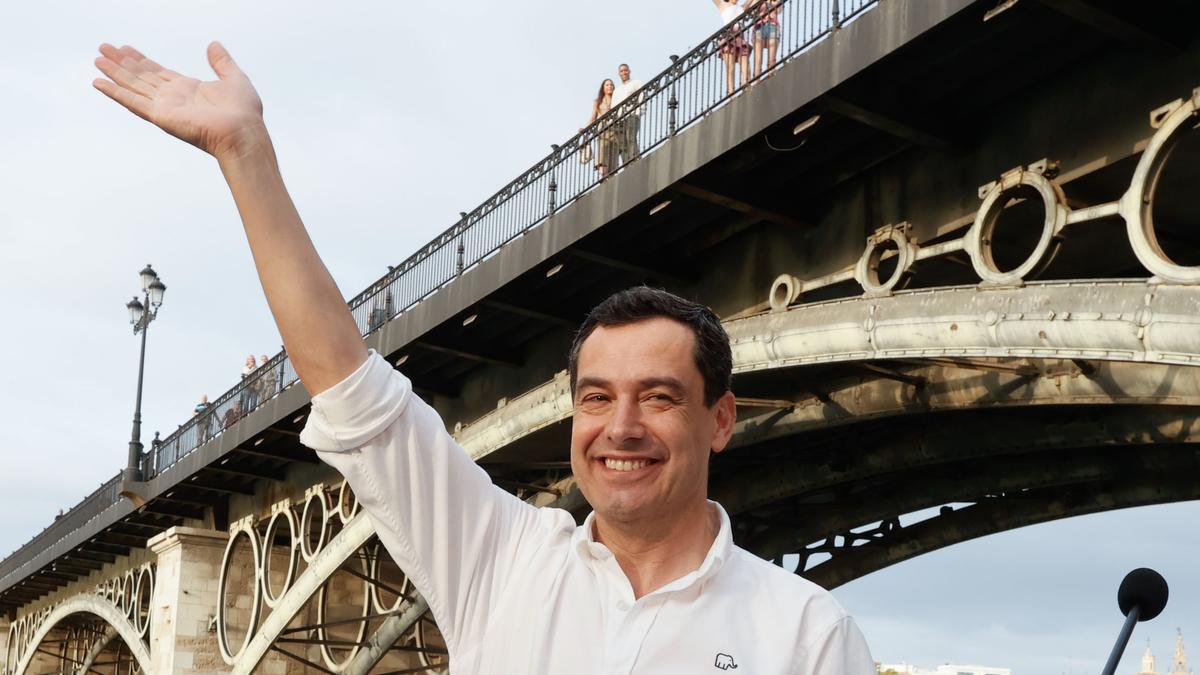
(691, 87)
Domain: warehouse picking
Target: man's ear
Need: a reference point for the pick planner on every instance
(725, 413)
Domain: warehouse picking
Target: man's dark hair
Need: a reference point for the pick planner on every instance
(623, 64)
(711, 353)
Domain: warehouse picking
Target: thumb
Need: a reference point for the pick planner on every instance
(221, 62)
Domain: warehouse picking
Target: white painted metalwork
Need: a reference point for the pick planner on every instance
(115, 602)
(84, 603)
(1172, 121)
(320, 569)
(85, 663)
(978, 240)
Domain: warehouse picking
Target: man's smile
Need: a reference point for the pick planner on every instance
(626, 468)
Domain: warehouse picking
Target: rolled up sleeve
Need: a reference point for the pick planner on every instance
(455, 534)
(352, 412)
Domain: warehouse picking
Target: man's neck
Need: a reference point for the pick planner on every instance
(655, 555)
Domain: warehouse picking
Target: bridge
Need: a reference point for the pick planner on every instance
(952, 242)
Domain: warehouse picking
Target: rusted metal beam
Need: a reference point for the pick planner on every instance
(893, 374)
(161, 507)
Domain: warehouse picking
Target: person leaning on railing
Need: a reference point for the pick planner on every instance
(650, 583)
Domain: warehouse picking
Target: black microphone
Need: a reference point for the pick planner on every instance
(1141, 597)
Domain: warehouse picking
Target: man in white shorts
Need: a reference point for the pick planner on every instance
(650, 583)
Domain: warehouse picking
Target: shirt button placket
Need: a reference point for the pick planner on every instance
(635, 624)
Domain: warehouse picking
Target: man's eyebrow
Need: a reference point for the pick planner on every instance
(664, 382)
(647, 383)
(591, 381)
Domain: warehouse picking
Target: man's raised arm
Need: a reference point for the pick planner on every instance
(224, 118)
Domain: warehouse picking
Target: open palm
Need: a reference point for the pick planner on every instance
(220, 117)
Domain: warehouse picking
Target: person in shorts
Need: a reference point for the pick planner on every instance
(735, 50)
(766, 35)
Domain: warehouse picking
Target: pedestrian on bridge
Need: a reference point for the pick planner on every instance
(606, 131)
(735, 50)
(650, 583)
(628, 102)
(766, 34)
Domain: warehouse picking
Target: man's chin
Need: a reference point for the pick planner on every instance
(624, 512)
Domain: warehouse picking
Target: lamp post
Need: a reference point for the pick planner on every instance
(141, 313)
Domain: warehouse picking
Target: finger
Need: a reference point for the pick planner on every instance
(149, 66)
(117, 73)
(222, 63)
(133, 102)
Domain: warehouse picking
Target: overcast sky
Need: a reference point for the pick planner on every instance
(389, 119)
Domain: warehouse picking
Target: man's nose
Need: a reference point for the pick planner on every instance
(625, 425)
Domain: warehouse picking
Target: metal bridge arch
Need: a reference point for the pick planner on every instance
(404, 621)
(87, 603)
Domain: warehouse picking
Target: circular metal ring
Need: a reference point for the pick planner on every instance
(222, 586)
(22, 638)
(866, 272)
(1137, 203)
(110, 591)
(126, 593)
(293, 555)
(72, 649)
(314, 501)
(145, 590)
(378, 553)
(12, 648)
(785, 290)
(345, 491)
(430, 644)
(322, 619)
(978, 241)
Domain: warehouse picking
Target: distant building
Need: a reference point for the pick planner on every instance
(1148, 667)
(1179, 664)
(947, 669)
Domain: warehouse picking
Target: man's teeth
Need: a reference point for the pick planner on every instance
(624, 464)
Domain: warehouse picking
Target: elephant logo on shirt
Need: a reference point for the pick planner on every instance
(725, 662)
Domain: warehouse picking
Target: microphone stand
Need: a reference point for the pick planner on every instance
(1131, 620)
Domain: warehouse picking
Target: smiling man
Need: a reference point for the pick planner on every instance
(650, 583)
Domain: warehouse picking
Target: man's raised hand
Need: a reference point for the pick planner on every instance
(221, 117)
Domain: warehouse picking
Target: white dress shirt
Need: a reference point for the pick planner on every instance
(521, 590)
(624, 90)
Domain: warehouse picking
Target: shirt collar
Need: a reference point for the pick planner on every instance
(583, 542)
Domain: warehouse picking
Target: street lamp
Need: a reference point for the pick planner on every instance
(141, 313)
